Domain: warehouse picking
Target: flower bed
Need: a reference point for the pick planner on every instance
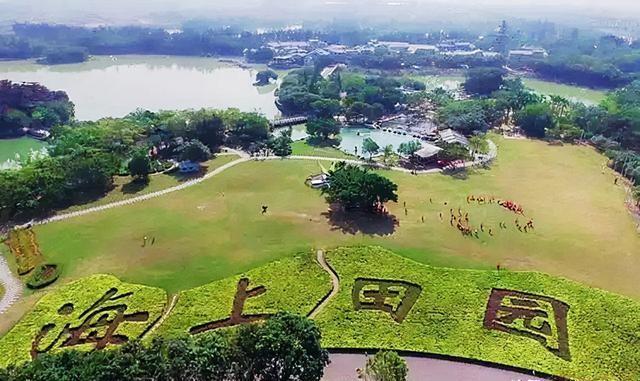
(24, 247)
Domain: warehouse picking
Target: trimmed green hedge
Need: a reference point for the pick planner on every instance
(43, 276)
(53, 308)
(294, 284)
(603, 328)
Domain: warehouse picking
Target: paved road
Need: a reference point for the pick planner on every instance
(12, 286)
(343, 368)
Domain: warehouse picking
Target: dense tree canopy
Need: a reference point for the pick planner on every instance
(30, 105)
(356, 188)
(285, 347)
(483, 80)
(535, 119)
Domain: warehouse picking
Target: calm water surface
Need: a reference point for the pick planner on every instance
(114, 86)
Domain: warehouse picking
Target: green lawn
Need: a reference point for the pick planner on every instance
(215, 229)
(575, 93)
(125, 188)
(447, 318)
(302, 148)
(9, 148)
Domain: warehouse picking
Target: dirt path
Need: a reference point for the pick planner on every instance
(165, 314)
(12, 286)
(335, 284)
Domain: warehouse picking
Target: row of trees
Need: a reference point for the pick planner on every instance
(84, 156)
(285, 347)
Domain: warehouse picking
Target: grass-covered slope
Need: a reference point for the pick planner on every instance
(67, 305)
(447, 318)
(295, 284)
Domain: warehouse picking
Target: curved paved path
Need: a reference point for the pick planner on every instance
(335, 283)
(12, 286)
(244, 157)
(343, 368)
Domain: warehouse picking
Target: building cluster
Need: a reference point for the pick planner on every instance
(288, 54)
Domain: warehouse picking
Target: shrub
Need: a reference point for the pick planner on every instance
(43, 276)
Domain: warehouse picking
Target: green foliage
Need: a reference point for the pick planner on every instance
(293, 284)
(464, 116)
(386, 366)
(195, 151)
(483, 80)
(263, 77)
(16, 344)
(140, 164)
(43, 276)
(286, 347)
(356, 188)
(208, 126)
(371, 147)
(65, 55)
(31, 105)
(453, 152)
(323, 128)
(281, 145)
(448, 317)
(479, 144)
(535, 119)
(410, 148)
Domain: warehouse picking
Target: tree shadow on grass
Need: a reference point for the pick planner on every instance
(135, 186)
(354, 222)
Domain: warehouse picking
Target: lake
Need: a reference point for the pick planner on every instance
(351, 138)
(14, 150)
(114, 86)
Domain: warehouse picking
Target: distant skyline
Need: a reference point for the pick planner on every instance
(174, 12)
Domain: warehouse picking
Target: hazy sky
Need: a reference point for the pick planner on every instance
(123, 11)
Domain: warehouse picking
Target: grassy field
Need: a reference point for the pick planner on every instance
(447, 318)
(302, 148)
(125, 188)
(574, 93)
(215, 229)
(54, 309)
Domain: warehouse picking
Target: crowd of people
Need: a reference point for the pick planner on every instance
(508, 204)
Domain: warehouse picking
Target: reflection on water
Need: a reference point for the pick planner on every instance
(352, 138)
(114, 86)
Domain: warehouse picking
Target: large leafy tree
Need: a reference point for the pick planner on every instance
(409, 148)
(465, 116)
(209, 127)
(140, 165)
(281, 145)
(356, 188)
(483, 80)
(370, 146)
(286, 347)
(194, 150)
(386, 366)
(535, 119)
(323, 128)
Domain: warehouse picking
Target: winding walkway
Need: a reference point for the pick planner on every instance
(335, 284)
(244, 157)
(12, 286)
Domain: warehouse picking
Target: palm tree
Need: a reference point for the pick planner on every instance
(387, 152)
